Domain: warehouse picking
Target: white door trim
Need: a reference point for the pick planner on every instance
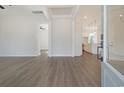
(105, 32)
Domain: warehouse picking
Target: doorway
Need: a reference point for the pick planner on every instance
(43, 39)
(88, 26)
(90, 36)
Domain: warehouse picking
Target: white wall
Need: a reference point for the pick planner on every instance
(61, 36)
(44, 38)
(19, 33)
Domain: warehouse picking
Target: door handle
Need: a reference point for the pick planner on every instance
(99, 53)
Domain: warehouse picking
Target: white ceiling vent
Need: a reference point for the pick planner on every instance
(37, 12)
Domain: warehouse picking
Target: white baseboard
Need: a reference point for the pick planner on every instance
(61, 55)
(20, 55)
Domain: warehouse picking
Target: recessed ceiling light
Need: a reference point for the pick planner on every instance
(121, 15)
(85, 17)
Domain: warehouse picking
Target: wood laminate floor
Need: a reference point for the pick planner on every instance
(42, 71)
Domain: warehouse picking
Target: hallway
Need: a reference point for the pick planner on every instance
(42, 71)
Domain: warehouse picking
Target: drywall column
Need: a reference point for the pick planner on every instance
(61, 35)
(73, 37)
(78, 37)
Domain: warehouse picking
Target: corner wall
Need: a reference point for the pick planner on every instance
(19, 35)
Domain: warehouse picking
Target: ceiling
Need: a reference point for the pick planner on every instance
(116, 12)
(116, 7)
(21, 9)
(24, 10)
(61, 10)
(51, 10)
(85, 10)
(89, 13)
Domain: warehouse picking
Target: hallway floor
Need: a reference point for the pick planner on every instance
(42, 71)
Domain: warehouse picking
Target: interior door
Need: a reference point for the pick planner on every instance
(112, 42)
